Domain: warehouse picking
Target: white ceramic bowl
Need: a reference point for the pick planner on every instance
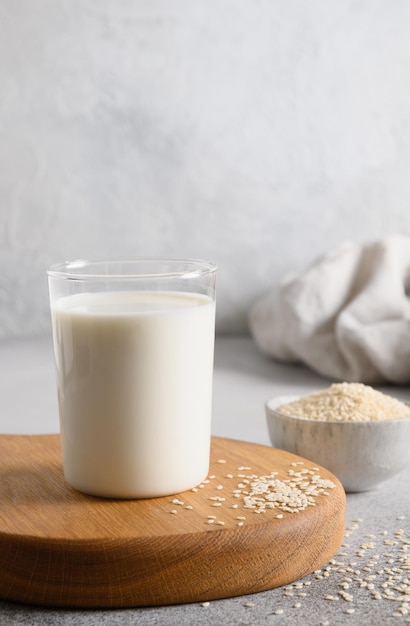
(361, 454)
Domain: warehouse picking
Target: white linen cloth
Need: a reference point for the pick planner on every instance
(347, 316)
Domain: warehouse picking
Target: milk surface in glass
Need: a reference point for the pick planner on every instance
(134, 373)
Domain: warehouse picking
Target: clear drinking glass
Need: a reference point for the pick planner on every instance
(134, 345)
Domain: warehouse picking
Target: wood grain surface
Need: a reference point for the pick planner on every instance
(59, 547)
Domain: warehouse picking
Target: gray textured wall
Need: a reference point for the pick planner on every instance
(253, 133)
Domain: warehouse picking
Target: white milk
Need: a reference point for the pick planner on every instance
(134, 372)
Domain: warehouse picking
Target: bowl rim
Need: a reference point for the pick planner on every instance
(271, 412)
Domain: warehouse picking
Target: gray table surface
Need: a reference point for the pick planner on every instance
(373, 564)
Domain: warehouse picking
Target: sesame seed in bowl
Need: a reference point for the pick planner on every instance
(358, 433)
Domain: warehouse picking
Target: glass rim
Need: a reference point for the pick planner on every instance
(184, 268)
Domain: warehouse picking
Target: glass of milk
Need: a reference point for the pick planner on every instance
(133, 346)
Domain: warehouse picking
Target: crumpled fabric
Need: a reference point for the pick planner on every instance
(346, 316)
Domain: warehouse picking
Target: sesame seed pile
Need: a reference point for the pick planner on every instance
(292, 493)
(347, 402)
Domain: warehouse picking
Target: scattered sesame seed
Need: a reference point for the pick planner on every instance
(382, 574)
(205, 604)
(346, 596)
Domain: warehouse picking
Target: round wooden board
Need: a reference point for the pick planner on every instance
(59, 547)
